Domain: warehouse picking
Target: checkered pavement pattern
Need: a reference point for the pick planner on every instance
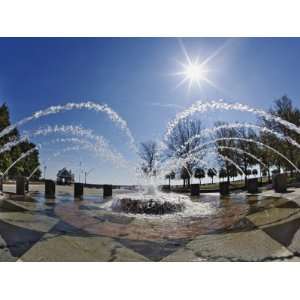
(33, 231)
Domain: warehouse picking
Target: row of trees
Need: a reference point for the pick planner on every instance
(235, 144)
(25, 166)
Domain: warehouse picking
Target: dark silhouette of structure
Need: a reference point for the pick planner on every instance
(64, 177)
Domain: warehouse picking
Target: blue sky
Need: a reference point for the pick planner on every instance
(135, 76)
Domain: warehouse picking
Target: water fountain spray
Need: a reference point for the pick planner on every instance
(208, 131)
(232, 162)
(245, 140)
(200, 107)
(102, 145)
(113, 116)
(23, 155)
(244, 152)
(100, 149)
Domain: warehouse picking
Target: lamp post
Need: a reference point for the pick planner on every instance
(87, 173)
(79, 171)
(45, 168)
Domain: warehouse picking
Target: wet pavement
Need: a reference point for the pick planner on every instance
(263, 227)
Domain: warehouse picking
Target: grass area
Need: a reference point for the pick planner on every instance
(233, 184)
(215, 186)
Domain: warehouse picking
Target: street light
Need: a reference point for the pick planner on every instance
(45, 168)
(79, 171)
(87, 173)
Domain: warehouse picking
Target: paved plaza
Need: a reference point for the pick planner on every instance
(263, 227)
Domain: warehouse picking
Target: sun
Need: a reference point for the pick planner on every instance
(195, 73)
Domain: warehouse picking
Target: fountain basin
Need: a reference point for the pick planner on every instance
(150, 206)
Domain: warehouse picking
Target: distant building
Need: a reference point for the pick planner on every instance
(64, 176)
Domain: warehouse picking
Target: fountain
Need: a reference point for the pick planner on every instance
(144, 204)
(150, 200)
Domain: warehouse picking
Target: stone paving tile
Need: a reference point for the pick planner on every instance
(17, 239)
(25, 205)
(284, 233)
(155, 251)
(5, 254)
(294, 244)
(10, 206)
(32, 206)
(265, 203)
(242, 246)
(62, 227)
(292, 194)
(74, 248)
(183, 255)
(274, 216)
(28, 220)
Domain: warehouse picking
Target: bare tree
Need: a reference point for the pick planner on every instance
(179, 144)
(224, 132)
(245, 161)
(284, 109)
(148, 154)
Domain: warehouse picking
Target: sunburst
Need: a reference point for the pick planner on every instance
(195, 72)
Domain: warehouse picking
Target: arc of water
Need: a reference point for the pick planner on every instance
(113, 116)
(85, 145)
(77, 148)
(246, 140)
(77, 130)
(33, 172)
(108, 154)
(173, 163)
(201, 107)
(11, 144)
(101, 143)
(25, 154)
(232, 162)
(170, 165)
(208, 131)
(247, 153)
(68, 129)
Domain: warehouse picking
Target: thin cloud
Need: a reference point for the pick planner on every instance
(167, 105)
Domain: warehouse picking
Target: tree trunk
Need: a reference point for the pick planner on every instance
(227, 171)
(245, 168)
